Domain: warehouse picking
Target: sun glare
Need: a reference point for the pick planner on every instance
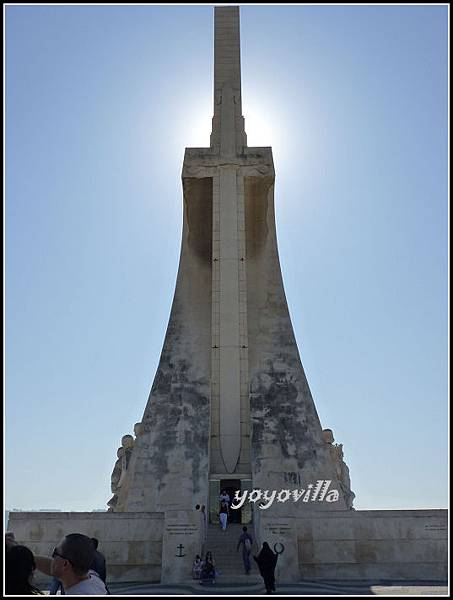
(258, 126)
(197, 126)
(262, 126)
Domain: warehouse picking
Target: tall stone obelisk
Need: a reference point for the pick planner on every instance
(230, 400)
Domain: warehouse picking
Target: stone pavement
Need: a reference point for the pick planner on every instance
(306, 588)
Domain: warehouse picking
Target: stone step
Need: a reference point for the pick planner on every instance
(228, 530)
(225, 564)
(227, 550)
(218, 541)
(239, 577)
(228, 558)
(234, 569)
(226, 543)
(235, 526)
(229, 565)
(222, 537)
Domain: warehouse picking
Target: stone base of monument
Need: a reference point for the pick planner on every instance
(372, 545)
(181, 543)
(281, 535)
(130, 542)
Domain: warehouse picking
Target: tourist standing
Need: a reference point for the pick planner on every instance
(267, 561)
(205, 522)
(223, 515)
(246, 541)
(204, 528)
(202, 525)
(196, 567)
(71, 563)
(98, 563)
(225, 497)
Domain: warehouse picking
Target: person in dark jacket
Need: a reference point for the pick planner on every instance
(208, 572)
(247, 542)
(267, 561)
(98, 563)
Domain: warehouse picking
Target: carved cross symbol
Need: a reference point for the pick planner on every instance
(180, 548)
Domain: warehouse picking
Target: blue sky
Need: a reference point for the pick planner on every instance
(100, 103)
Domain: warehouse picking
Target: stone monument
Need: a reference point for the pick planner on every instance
(230, 406)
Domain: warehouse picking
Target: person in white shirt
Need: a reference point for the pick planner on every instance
(225, 497)
(70, 562)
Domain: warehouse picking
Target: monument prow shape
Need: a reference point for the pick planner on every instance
(230, 400)
(230, 407)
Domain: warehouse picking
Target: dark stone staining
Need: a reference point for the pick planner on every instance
(282, 409)
(162, 383)
(280, 414)
(196, 419)
(177, 415)
(256, 206)
(198, 213)
(176, 400)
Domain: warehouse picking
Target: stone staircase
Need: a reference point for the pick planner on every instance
(227, 559)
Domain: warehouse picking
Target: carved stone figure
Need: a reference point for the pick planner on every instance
(120, 468)
(138, 429)
(342, 469)
(327, 434)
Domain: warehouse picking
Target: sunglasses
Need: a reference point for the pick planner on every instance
(55, 553)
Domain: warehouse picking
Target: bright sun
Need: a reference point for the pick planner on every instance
(264, 126)
(258, 126)
(261, 126)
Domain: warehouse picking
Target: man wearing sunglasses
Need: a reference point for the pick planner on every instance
(70, 563)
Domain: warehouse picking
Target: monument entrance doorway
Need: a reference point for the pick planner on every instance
(231, 486)
(242, 515)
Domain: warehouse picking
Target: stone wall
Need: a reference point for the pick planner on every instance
(374, 545)
(130, 542)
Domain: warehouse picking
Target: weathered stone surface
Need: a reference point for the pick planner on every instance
(281, 535)
(286, 432)
(230, 396)
(131, 542)
(182, 541)
(392, 544)
(349, 545)
(169, 464)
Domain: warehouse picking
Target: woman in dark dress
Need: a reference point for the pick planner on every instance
(267, 561)
(208, 572)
